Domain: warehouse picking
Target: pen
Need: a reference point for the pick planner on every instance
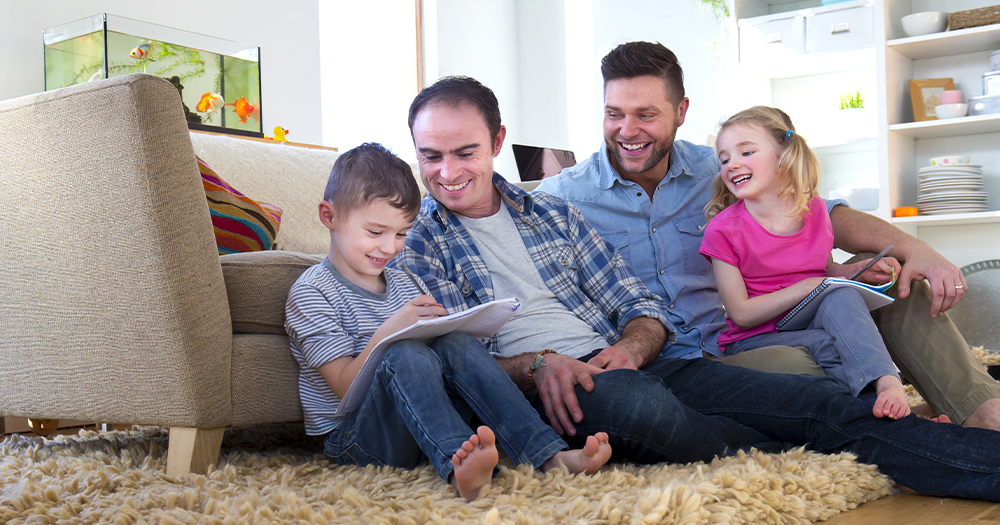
(871, 263)
(416, 282)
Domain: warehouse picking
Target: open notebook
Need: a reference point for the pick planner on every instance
(803, 313)
(482, 321)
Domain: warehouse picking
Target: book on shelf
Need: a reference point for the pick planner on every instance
(803, 313)
(482, 321)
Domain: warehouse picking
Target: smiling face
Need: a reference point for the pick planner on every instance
(363, 241)
(455, 153)
(749, 158)
(640, 123)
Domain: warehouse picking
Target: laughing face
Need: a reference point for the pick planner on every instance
(749, 158)
(455, 153)
(640, 123)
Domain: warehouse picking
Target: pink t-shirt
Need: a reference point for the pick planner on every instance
(767, 261)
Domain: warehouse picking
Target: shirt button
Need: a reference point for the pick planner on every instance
(661, 272)
(654, 229)
(638, 194)
(671, 305)
(703, 344)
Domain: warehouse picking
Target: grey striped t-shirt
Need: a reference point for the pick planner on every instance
(327, 317)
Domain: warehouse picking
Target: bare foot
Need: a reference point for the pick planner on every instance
(474, 463)
(588, 459)
(941, 419)
(891, 401)
(986, 416)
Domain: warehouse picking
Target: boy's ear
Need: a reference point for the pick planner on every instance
(327, 214)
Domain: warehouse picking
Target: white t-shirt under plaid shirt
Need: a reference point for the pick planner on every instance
(327, 317)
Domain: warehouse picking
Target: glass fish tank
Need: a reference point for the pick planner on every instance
(218, 80)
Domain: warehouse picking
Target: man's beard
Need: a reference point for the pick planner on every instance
(656, 155)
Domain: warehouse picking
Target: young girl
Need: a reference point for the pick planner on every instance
(769, 240)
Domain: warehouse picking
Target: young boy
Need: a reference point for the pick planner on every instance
(423, 398)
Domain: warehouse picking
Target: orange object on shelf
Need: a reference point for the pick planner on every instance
(905, 211)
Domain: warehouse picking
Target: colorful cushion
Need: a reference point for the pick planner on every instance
(241, 223)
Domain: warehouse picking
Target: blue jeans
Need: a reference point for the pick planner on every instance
(933, 458)
(841, 337)
(421, 406)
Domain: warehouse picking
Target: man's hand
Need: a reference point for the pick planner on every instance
(612, 358)
(556, 383)
(946, 280)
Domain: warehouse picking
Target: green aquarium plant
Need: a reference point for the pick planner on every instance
(852, 99)
(720, 11)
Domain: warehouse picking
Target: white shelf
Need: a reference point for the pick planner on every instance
(931, 129)
(805, 64)
(954, 219)
(970, 40)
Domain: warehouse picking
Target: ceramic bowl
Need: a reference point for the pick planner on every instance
(925, 23)
(951, 110)
(950, 160)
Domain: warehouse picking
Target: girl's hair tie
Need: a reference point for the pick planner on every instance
(789, 133)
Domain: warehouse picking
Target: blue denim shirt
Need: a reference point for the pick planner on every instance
(659, 238)
(576, 263)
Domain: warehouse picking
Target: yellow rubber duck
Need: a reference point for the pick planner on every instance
(279, 134)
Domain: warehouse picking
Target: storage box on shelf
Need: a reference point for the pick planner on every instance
(906, 146)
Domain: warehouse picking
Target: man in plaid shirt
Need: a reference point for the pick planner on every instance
(585, 346)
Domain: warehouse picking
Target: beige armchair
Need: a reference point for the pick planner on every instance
(115, 305)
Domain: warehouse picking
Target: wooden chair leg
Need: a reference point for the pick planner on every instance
(43, 427)
(193, 449)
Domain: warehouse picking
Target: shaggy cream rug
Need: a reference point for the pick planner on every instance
(277, 475)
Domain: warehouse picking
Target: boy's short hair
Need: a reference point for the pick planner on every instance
(370, 172)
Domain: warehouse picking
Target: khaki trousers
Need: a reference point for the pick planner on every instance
(930, 353)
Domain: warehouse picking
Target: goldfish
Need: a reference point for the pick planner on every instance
(243, 108)
(141, 52)
(209, 103)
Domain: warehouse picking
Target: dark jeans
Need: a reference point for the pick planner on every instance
(421, 405)
(681, 410)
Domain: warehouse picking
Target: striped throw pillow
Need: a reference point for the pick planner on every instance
(241, 223)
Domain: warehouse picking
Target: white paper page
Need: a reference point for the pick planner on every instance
(482, 322)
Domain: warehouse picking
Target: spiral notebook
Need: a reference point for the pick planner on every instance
(803, 313)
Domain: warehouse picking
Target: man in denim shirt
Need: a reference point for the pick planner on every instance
(646, 193)
(479, 238)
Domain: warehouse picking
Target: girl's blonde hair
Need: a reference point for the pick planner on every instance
(797, 166)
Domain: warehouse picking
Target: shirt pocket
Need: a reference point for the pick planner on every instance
(690, 231)
(620, 240)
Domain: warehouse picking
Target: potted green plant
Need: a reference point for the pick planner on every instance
(852, 99)
(854, 118)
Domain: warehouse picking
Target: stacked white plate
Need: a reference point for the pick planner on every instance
(951, 189)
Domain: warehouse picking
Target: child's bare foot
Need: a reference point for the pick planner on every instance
(588, 459)
(925, 411)
(891, 401)
(474, 463)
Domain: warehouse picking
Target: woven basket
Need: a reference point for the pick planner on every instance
(974, 18)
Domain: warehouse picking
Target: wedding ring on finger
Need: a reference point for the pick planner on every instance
(959, 287)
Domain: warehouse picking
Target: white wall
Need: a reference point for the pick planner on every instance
(286, 32)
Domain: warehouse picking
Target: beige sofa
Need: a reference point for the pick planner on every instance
(116, 306)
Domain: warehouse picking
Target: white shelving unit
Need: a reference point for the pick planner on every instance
(898, 146)
(905, 145)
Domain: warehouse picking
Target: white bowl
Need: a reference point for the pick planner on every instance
(951, 110)
(950, 160)
(925, 23)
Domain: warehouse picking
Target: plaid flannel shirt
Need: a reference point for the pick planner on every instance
(578, 265)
